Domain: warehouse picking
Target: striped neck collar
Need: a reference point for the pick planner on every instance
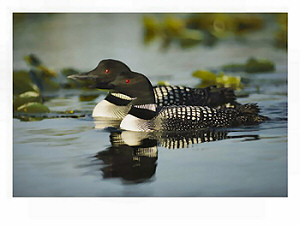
(146, 111)
(118, 99)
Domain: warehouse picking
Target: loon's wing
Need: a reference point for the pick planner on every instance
(183, 118)
(179, 95)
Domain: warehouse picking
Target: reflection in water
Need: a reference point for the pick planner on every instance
(133, 156)
(134, 164)
(101, 123)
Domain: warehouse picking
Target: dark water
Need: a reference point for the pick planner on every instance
(76, 157)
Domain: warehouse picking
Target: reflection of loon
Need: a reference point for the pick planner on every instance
(134, 164)
(144, 114)
(117, 105)
(176, 140)
(133, 156)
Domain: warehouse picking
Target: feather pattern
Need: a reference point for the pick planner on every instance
(179, 95)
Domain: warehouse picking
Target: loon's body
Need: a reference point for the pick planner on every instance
(188, 118)
(146, 115)
(117, 105)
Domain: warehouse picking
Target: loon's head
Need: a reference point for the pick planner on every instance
(116, 76)
(135, 85)
(106, 72)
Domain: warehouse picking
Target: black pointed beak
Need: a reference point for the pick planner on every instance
(83, 77)
(91, 81)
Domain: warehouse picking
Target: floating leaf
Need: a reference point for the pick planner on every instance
(33, 107)
(205, 75)
(234, 67)
(251, 66)
(259, 65)
(29, 96)
(228, 81)
(221, 80)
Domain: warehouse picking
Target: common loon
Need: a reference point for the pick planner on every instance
(116, 105)
(145, 115)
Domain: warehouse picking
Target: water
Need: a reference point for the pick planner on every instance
(75, 157)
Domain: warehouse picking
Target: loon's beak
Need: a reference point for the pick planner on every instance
(91, 80)
(83, 77)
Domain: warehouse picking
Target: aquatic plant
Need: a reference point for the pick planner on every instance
(170, 29)
(31, 88)
(252, 65)
(193, 29)
(220, 80)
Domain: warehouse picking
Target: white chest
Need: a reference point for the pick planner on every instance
(133, 123)
(110, 110)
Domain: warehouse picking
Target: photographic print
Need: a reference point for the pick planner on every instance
(150, 104)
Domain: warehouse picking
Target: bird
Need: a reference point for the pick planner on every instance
(116, 105)
(145, 115)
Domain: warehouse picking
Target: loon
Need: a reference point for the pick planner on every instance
(117, 105)
(146, 115)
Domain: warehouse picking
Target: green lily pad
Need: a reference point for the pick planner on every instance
(229, 81)
(259, 65)
(33, 107)
(221, 80)
(234, 67)
(26, 97)
(251, 66)
(205, 75)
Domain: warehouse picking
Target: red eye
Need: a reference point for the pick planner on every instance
(127, 81)
(107, 71)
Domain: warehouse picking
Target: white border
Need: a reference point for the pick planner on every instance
(147, 210)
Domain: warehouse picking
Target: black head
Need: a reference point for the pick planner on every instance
(134, 85)
(106, 72)
(117, 77)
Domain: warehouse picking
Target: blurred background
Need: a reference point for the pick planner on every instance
(165, 47)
